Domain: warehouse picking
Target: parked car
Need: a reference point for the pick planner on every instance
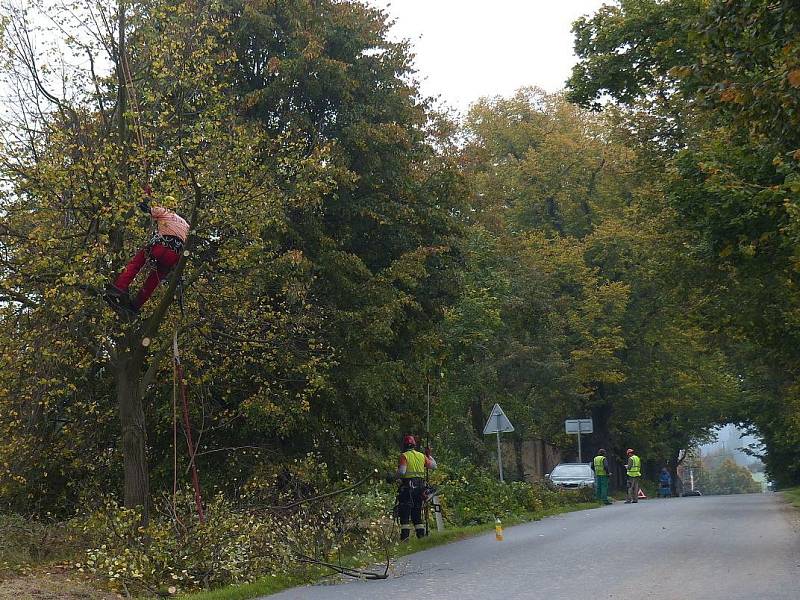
(572, 475)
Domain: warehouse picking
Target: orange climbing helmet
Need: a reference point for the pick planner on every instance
(408, 440)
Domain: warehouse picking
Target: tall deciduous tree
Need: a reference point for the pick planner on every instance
(75, 168)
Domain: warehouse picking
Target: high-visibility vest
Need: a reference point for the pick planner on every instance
(599, 465)
(415, 464)
(636, 469)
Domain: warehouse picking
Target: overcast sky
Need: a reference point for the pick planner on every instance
(471, 48)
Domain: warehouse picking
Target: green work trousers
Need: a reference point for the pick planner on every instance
(601, 488)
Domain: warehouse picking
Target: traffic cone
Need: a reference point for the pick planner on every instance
(498, 530)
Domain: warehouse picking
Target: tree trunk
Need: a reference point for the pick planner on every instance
(134, 433)
(478, 419)
(545, 468)
(518, 449)
(601, 438)
(677, 483)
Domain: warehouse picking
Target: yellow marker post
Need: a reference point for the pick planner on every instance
(498, 530)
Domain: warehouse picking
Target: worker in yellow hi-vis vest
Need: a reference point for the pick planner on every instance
(601, 472)
(634, 469)
(411, 474)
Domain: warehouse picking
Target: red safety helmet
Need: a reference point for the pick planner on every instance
(408, 440)
(629, 451)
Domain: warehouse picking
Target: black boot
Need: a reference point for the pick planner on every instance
(120, 302)
(128, 308)
(116, 297)
(114, 292)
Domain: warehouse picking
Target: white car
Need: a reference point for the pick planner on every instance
(572, 475)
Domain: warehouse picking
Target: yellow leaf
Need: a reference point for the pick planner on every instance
(729, 95)
(793, 77)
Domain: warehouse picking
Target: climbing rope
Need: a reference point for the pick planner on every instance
(338, 492)
(180, 383)
(137, 115)
(174, 439)
(355, 573)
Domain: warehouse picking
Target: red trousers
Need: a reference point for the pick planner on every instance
(165, 259)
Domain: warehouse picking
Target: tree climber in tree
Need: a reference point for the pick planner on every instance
(163, 251)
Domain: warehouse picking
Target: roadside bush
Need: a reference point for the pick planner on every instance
(284, 517)
(475, 496)
(238, 543)
(176, 550)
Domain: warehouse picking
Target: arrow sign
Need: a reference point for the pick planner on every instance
(498, 422)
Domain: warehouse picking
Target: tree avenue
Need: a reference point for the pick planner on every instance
(352, 248)
(715, 93)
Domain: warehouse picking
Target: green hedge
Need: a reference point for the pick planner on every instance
(474, 496)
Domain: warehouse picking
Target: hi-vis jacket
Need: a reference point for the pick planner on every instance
(599, 465)
(634, 466)
(412, 464)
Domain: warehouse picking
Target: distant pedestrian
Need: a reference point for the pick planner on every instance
(634, 470)
(601, 473)
(665, 484)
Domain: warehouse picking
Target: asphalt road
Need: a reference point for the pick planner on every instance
(711, 548)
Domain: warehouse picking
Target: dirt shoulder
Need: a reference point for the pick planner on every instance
(50, 585)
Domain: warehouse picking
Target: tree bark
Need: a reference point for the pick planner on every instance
(134, 432)
(674, 463)
(519, 443)
(477, 417)
(129, 356)
(601, 438)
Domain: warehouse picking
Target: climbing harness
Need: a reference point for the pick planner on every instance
(172, 242)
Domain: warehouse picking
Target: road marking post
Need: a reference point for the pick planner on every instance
(498, 530)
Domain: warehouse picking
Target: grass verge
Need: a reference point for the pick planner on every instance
(272, 585)
(262, 587)
(792, 495)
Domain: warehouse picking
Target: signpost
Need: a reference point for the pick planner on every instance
(498, 423)
(578, 427)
